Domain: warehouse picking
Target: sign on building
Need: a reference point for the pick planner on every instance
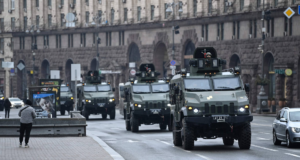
(75, 72)
(54, 74)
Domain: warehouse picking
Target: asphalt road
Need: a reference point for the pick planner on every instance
(151, 143)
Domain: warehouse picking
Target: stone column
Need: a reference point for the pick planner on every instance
(289, 91)
(7, 83)
(279, 87)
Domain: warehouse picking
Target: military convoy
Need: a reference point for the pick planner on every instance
(96, 97)
(146, 100)
(209, 103)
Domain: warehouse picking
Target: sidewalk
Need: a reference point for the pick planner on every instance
(53, 148)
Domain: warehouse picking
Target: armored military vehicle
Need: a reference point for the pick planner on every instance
(146, 100)
(97, 97)
(66, 99)
(209, 103)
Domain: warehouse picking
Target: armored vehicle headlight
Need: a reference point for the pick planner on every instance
(247, 106)
(71, 97)
(88, 101)
(242, 109)
(139, 106)
(196, 110)
(111, 100)
(295, 130)
(135, 105)
(152, 74)
(190, 108)
(169, 105)
(201, 63)
(215, 62)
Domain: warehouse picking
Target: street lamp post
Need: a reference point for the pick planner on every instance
(33, 58)
(98, 42)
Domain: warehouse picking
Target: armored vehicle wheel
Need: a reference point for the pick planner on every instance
(275, 140)
(228, 141)
(124, 114)
(176, 135)
(187, 136)
(162, 126)
(244, 136)
(134, 122)
(170, 127)
(104, 115)
(127, 123)
(112, 114)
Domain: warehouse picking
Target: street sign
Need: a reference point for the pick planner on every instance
(298, 9)
(7, 64)
(173, 72)
(12, 70)
(172, 67)
(54, 74)
(20, 66)
(289, 12)
(173, 62)
(12, 74)
(75, 72)
(131, 64)
(133, 72)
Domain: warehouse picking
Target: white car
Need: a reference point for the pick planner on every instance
(16, 102)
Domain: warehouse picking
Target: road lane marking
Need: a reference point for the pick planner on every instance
(264, 148)
(116, 128)
(131, 141)
(203, 157)
(256, 124)
(293, 155)
(143, 136)
(163, 142)
(264, 133)
(264, 139)
(291, 150)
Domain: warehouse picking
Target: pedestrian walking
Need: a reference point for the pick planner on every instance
(27, 115)
(7, 106)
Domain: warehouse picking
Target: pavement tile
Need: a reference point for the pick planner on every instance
(52, 148)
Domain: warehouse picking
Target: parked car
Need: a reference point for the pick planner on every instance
(16, 102)
(286, 127)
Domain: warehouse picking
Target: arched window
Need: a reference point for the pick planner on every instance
(189, 50)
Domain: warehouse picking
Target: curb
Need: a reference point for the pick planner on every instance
(109, 150)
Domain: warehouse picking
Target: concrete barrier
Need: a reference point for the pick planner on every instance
(75, 126)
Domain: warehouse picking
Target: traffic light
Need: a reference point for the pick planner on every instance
(98, 40)
(176, 29)
(267, 15)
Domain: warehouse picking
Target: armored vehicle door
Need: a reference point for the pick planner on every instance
(179, 99)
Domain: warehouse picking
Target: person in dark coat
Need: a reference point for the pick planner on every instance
(7, 106)
(27, 114)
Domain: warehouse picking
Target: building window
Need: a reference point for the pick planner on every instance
(238, 29)
(37, 21)
(25, 22)
(13, 4)
(139, 13)
(33, 39)
(108, 38)
(209, 6)
(87, 2)
(22, 42)
(167, 14)
(250, 27)
(258, 2)
(87, 17)
(95, 35)
(255, 28)
(100, 16)
(1, 5)
(121, 38)
(74, 2)
(272, 27)
(152, 12)
(206, 32)
(112, 16)
(241, 5)
(82, 39)
(58, 41)
(203, 31)
(49, 2)
(268, 26)
(2, 24)
(2, 45)
(46, 40)
(225, 6)
(275, 3)
(62, 2)
(24, 3)
(70, 40)
(218, 31)
(12, 43)
(233, 29)
(293, 2)
(37, 3)
(125, 14)
(180, 7)
(285, 24)
(222, 31)
(291, 26)
(13, 23)
(195, 8)
(49, 20)
(62, 17)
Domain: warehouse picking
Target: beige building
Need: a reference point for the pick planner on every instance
(140, 31)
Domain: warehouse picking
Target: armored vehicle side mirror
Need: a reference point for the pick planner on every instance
(113, 89)
(247, 87)
(283, 120)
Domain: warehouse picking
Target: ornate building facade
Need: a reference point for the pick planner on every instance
(141, 31)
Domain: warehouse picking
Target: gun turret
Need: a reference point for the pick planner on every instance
(147, 73)
(93, 77)
(205, 61)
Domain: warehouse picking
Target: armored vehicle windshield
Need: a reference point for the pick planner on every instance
(145, 88)
(104, 88)
(230, 83)
(90, 89)
(197, 84)
(160, 88)
(64, 89)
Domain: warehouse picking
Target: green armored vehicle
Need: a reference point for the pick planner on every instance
(209, 103)
(66, 99)
(96, 97)
(146, 100)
